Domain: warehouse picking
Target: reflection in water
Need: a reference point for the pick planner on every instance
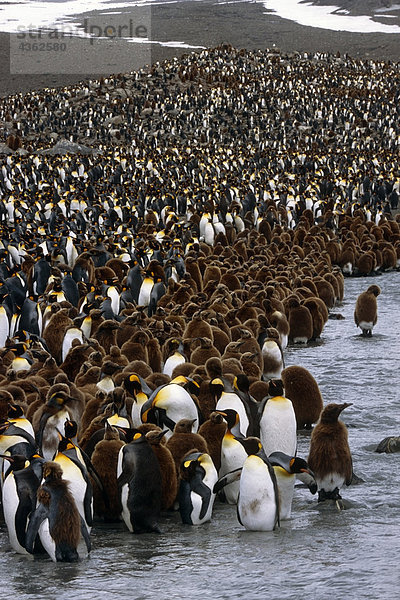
(320, 552)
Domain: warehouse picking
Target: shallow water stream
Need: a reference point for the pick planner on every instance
(320, 553)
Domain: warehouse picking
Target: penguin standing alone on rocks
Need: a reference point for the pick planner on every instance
(330, 456)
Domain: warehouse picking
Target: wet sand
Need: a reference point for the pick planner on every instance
(208, 24)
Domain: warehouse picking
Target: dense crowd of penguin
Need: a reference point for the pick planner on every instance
(150, 285)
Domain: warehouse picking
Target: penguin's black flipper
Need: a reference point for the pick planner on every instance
(227, 479)
(41, 513)
(185, 504)
(85, 535)
(202, 490)
(27, 486)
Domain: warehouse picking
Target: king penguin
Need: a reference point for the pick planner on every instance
(278, 421)
(233, 454)
(258, 499)
(330, 456)
(139, 483)
(19, 490)
(196, 490)
(285, 468)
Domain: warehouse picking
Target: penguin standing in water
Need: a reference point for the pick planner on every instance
(169, 479)
(70, 458)
(57, 519)
(286, 468)
(330, 456)
(366, 311)
(258, 500)
(278, 429)
(233, 454)
(196, 492)
(19, 489)
(139, 483)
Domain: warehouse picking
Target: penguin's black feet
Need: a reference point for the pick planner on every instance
(331, 495)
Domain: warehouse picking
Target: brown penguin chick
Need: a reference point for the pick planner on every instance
(212, 273)
(183, 369)
(317, 317)
(49, 369)
(77, 354)
(300, 321)
(169, 480)
(85, 262)
(302, 389)
(154, 355)
(213, 367)
(330, 456)
(366, 263)
(213, 431)
(116, 357)
(105, 460)
(259, 390)
(206, 399)
(87, 427)
(197, 327)
(193, 269)
(136, 347)
(279, 321)
(106, 334)
(325, 291)
(249, 365)
(231, 366)
(366, 310)
(139, 367)
(54, 332)
(204, 349)
(221, 338)
(64, 517)
(182, 440)
(233, 350)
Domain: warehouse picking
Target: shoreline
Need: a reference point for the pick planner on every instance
(203, 23)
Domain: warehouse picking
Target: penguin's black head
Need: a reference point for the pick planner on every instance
(230, 416)
(275, 388)
(217, 387)
(70, 429)
(252, 445)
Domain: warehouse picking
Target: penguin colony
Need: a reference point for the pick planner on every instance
(151, 282)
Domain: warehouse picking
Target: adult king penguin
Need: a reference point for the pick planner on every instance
(278, 421)
(196, 496)
(139, 482)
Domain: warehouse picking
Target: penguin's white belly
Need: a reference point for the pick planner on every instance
(126, 515)
(286, 490)
(257, 502)
(330, 481)
(144, 293)
(69, 337)
(172, 362)
(233, 456)
(47, 541)
(106, 385)
(278, 429)
(10, 506)
(366, 325)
